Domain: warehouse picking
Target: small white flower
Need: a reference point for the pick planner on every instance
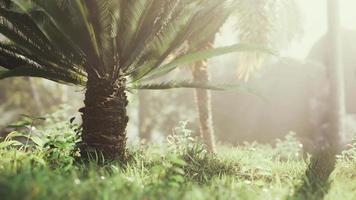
(130, 179)
(248, 182)
(76, 181)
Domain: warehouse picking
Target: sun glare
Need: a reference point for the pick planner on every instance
(314, 14)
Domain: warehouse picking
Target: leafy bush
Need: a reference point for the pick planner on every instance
(186, 158)
(349, 155)
(46, 140)
(289, 148)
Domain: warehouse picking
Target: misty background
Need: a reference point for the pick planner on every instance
(275, 101)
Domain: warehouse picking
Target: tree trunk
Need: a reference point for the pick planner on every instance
(105, 119)
(330, 132)
(336, 76)
(203, 101)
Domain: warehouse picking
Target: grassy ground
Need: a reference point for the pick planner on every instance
(45, 168)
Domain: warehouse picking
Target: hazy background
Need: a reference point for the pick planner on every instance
(238, 116)
(315, 24)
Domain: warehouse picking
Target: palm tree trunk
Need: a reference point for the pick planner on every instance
(203, 101)
(105, 119)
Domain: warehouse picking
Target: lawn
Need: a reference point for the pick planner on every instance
(46, 165)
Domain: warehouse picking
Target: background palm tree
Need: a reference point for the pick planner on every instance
(268, 23)
(105, 46)
(271, 23)
(218, 13)
(200, 73)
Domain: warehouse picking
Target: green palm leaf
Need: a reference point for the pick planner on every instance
(141, 39)
(193, 57)
(175, 84)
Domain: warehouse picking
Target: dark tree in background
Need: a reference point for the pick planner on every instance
(330, 133)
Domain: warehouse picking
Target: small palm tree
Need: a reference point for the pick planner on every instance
(106, 46)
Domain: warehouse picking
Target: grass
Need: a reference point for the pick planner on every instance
(44, 166)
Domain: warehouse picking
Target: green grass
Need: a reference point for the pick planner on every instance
(45, 167)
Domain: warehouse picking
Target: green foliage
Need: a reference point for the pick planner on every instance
(289, 148)
(175, 85)
(199, 165)
(66, 41)
(47, 140)
(177, 169)
(349, 154)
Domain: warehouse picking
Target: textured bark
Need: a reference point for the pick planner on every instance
(203, 101)
(105, 119)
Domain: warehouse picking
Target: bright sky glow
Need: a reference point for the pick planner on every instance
(315, 24)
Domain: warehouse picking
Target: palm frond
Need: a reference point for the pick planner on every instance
(214, 12)
(175, 85)
(170, 30)
(105, 38)
(271, 23)
(55, 76)
(57, 37)
(167, 85)
(205, 54)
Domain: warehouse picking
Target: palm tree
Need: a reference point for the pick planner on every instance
(203, 103)
(106, 46)
(271, 23)
(260, 22)
(200, 72)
